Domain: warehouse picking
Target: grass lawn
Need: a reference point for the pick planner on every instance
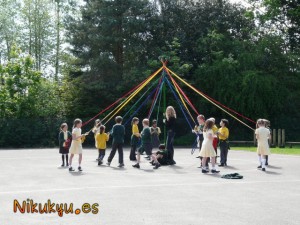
(295, 150)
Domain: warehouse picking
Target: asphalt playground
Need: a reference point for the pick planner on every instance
(176, 195)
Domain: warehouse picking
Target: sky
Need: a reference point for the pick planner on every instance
(240, 1)
(244, 2)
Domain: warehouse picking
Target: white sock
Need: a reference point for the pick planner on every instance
(259, 159)
(263, 163)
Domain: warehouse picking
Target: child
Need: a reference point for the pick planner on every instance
(207, 149)
(64, 139)
(76, 145)
(198, 130)
(134, 138)
(101, 139)
(267, 125)
(118, 133)
(215, 135)
(155, 132)
(146, 144)
(96, 127)
(161, 157)
(170, 126)
(95, 130)
(223, 134)
(262, 135)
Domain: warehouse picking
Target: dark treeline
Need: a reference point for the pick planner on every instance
(245, 58)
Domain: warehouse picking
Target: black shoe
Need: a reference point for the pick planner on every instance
(263, 169)
(121, 165)
(198, 157)
(108, 163)
(204, 171)
(62, 165)
(79, 168)
(100, 162)
(225, 164)
(71, 169)
(259, 167)
(157, 165)
(67, 164)
(267, 164)
(215, 171)
(136, 165)
(221, 164)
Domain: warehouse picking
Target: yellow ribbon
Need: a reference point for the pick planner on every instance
(198, 92)
(125, 102)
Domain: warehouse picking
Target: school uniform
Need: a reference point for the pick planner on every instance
(76, 145)
(63, 138)
(223, 143)
(215, 140)
(200, 139)
(118, 133)
(134, 141)
(200, 136)
(164, 159)
(262, 141)
(207, 149)
(146, 141)
(101, 140)
(155, 131)
(96, 130)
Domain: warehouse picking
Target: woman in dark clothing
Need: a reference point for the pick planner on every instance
(170, 126)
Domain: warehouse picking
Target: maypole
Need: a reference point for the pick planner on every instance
(164, 95)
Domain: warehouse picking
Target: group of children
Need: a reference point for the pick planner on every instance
(65, 137)
(208, 137)
(140, 142)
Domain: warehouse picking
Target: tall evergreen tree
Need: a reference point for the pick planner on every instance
(109, 41)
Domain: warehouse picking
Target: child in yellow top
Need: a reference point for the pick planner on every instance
(134, 138)
(101, 139)
(223, 134)
(95, 130)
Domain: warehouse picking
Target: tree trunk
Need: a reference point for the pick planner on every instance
(57, 40)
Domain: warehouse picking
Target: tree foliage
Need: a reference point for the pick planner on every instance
(245, 58)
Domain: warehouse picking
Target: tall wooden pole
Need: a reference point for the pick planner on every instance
(164, 106)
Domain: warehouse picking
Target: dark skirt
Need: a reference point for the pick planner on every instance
(63, 150)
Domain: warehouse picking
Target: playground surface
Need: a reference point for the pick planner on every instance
(177, 195)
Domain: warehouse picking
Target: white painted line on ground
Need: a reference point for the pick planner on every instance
(150, 185)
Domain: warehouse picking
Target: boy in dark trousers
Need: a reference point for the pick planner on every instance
(117, 133)
(146, 144)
